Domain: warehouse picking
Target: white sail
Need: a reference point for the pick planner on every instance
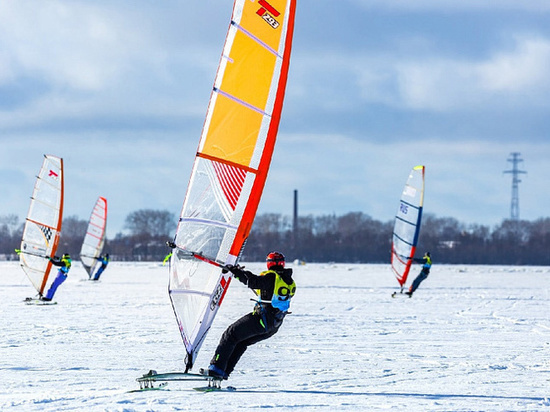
(43, 224)
(407, 224)
(94, 240)
(232, 162)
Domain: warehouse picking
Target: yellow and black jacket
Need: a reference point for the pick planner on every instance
(275, 289)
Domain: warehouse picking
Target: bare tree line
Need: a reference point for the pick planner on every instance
(357, 238)
(352, 238)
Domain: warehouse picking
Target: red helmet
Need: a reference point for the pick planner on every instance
(275, 259)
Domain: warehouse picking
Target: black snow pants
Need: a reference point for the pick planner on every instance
(416, 283)
(246, 331)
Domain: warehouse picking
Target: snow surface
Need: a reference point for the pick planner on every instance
(473, 338)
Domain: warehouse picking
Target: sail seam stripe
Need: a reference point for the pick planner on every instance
(46, 182)
(405, 221)
(35, 244)
(191, 292)
(227, 162)
(207, 222)
(403, 240)
(42, 224)
(49, 205)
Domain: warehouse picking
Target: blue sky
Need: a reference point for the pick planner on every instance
(119, 89)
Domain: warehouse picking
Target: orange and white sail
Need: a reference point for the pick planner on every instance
(407, 224)
(94, 240)
(43, 224)
(232, 162)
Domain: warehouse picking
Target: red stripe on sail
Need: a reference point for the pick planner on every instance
(231, 180)
(269, 8)
(225, 285)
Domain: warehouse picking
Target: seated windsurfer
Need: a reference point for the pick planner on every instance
(275, 289)
(64, 265)
(104, 260)
(426, 265)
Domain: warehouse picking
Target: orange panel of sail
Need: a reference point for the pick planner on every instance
(230, 120)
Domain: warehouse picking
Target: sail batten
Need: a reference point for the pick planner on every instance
(41, 224)
(231, 164)
(241, 102)
(208, 222)
(190, 292)
(407, 224)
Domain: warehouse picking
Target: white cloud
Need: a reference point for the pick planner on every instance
(437, 85)
(523, 69)
(69, 44)
(425, 78)
(100, 59)
(454, 5)
(446, 84)
(443, 84)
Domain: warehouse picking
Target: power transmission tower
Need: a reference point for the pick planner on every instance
(514, 206)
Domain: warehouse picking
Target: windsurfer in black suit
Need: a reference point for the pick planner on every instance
(275, 288)
(426, 265)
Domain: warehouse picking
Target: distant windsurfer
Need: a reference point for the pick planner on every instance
(64, 266)
(104, 260)
(426, 265)
(275, 288)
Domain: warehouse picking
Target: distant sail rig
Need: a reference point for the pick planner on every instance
(43, 224)
(231, 164)
(407, 224)
(94, 240)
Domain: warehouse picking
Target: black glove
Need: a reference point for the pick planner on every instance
(231, 268)
(238, 273)
(235, 269)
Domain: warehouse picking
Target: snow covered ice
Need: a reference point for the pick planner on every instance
(473, 338)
